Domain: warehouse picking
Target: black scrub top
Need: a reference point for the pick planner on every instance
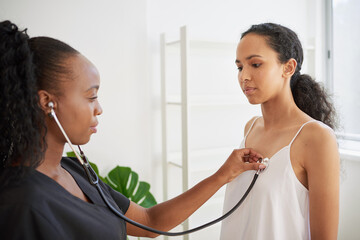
(39, 208)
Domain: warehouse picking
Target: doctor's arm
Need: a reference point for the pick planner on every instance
(171, 213)
(323, 166)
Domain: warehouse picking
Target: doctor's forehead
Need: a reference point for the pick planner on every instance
(84, 73)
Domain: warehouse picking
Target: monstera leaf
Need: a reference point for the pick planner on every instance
(126, 181)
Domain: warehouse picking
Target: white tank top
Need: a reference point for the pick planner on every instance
(276, 208)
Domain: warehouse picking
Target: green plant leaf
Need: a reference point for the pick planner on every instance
(149, 201)
(96, 170)
(133, 183)
(104, 180)
(125, 181)
(120, 177)
(70, 154)
(113, 186)
(142, 190)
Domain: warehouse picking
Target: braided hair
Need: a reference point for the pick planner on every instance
(27, 65)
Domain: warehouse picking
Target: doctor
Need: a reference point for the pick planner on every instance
(46, 196)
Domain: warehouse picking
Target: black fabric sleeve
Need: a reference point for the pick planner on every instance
(24, 223)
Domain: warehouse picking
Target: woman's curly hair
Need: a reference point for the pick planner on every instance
(309, 95)
(26, 66)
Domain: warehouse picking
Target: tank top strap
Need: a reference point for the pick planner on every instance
(301, 129)
(252, 124)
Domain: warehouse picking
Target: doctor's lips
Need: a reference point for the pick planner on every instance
(249, 90)
(93, 128)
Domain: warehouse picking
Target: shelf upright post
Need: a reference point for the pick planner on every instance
(163, 116)
(184, 47)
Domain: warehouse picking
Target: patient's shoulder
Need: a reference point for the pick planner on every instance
(317, 138)
(249, 123)
(317, 131)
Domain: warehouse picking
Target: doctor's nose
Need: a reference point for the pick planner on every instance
(98, 109)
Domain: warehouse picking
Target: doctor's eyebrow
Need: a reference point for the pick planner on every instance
(248, 58)
(92, 87)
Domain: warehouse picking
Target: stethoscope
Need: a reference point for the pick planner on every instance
(94, 180)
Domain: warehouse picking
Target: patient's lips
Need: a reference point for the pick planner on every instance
(249, 90)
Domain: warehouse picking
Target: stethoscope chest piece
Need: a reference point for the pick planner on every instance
(264, 161)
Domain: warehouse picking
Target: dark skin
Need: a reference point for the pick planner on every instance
(77, 110)
(78, 127)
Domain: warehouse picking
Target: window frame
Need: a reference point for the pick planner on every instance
(329, 82)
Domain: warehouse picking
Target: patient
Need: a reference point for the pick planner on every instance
(297, 196)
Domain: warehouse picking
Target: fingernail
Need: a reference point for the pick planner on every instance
(262, 166)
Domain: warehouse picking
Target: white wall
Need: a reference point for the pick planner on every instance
(122, 39)
(349, 198)
(112, 34)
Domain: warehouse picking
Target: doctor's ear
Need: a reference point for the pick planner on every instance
(289, 68)
(46, 101)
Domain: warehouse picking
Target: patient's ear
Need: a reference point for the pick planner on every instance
(289, 68)
(44, 99)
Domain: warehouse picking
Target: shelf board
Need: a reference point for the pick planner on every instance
(214, 158)
(207, 100)
(209, 44)
(174, 103)
(173, 43)
(212, 44)
(176, 164)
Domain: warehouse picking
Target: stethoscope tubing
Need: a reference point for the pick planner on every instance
(122, 216)
(94, 180)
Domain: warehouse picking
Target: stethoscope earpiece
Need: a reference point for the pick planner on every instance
(51, 113)
(51, 105)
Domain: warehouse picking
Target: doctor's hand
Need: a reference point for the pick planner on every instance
(166, 215)
(239, 161)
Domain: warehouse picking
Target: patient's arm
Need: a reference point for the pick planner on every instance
(321, 159)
